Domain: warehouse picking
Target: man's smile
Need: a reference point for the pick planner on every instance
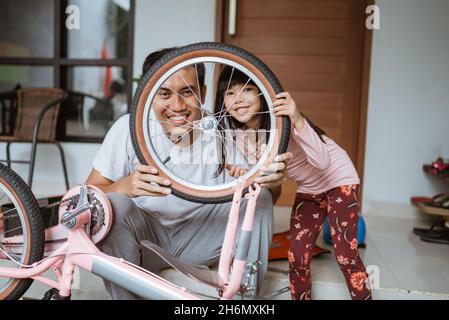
(178, 118)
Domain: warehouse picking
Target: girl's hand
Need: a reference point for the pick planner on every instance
(284, 105)
(235, 171)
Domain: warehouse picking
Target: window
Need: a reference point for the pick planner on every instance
(38, 50)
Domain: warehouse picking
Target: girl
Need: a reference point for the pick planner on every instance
(328, 184)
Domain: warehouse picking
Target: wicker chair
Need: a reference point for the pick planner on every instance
(8, 104)
(32, 118)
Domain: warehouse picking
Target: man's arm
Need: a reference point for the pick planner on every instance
(141, 182)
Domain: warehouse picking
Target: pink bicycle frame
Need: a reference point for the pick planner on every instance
(79, 250)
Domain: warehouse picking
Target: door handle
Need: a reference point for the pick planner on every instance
(232, 17)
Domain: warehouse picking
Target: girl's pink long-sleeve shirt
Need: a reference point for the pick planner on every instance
(316, 166)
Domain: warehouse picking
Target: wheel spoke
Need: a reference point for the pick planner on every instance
(168, 122)
(217, 114)
(209, 86)
(12, 230)
(175, 142)
(197, 99)
(3, 213)
(251, 113)
(228, 141)
(198, 84)
(227, 88)
(165, 132)
(205, 143)
(15, 257)
(2, 196)
(183, 98)
(161, 105)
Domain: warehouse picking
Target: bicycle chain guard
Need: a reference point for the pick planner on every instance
(101, 212)
(100, 223)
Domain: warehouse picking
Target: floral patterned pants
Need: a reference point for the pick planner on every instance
(342, 206)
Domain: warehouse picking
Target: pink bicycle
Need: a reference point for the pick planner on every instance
(27, 249)
(85, 217)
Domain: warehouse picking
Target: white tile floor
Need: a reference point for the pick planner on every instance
(408, 267)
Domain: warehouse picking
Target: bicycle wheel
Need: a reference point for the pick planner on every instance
(22, 236)
(185, 122)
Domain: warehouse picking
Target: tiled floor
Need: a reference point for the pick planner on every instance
(402, 259)
(408, 267)
(411, 263)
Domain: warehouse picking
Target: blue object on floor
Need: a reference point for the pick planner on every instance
(361, 232)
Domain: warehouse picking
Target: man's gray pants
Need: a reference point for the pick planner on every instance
(197, 240)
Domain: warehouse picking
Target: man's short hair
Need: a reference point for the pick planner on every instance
(151, 59)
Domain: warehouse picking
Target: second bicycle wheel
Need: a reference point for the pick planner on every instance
(202, 115)
(22, 235)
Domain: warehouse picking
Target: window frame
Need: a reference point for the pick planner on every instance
(60, 62)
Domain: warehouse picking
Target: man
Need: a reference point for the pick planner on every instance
(143, 206)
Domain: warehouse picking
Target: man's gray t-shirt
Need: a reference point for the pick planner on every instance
(116, 159)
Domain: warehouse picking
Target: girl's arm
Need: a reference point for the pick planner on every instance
(314, 148)
(306, 138)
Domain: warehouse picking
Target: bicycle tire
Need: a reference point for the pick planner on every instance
(33, 223)
(230, 52)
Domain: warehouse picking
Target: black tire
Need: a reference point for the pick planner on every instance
(33, 222)
(230, 50)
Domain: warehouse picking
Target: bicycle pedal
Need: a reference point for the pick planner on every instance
(53, 294)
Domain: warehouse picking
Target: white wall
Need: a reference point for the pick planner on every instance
(408, 111)
(48, 176)
(167, 23)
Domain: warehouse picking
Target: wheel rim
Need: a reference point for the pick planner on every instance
(140, 116)
(148, 120)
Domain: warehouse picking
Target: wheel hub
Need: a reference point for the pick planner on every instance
(208, 124)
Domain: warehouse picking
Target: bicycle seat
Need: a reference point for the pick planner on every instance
(197, 272)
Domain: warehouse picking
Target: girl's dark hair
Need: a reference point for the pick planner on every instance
(320, 132)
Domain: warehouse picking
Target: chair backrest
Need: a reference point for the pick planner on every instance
(30, 103)
(78, 101)
(8, 111)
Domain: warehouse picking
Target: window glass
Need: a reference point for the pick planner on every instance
(26, 28)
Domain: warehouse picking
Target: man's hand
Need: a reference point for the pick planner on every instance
(273, 175)
(143, 181)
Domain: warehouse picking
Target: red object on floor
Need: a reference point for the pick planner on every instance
(108, 72)
(417, 200)
(279, 247)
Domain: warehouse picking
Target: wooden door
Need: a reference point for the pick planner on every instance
(316, 48)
